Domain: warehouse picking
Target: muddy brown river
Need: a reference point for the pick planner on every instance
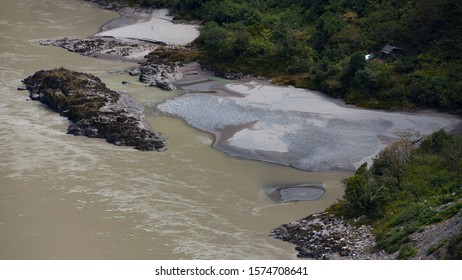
(67, 197)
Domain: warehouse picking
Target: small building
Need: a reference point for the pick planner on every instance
(388, 49)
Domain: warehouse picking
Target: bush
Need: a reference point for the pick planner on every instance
(393, 230)
(435, 247)
(407, 251)
(434, 143)
(428, 91)
(454, 249)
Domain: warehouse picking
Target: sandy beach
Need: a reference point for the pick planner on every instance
(157, 27)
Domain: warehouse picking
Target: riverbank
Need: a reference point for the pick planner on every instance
(104, 48)
(327, 237)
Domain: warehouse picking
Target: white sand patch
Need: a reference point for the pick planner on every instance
(261, 136)
(283, 98)
(159, 28)
(139, 55)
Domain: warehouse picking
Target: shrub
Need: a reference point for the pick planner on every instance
(454, 250)
(407, 251)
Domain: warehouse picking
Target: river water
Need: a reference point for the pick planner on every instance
(67, 197)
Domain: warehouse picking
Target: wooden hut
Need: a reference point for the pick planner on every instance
(388, 49)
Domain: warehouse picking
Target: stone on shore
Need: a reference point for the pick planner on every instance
(22, 87)
(109, 48)
(323, 236)
(109, 5)
(94, 110)
(134, 72)
(161, 75)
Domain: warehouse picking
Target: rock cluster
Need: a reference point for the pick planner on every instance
(158, 73)
(110, 5)
(94, 110)
(161, 75)
(226, 75)
(100, 46)
(229, 75)
(323, 236)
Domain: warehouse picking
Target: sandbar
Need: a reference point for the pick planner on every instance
(255, 119)
(158, 28)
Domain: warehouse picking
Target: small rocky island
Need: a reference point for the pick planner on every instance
(94, 110)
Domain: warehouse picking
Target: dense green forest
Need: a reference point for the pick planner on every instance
(321, 44)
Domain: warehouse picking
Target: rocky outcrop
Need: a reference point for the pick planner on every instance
(230, 75)
(110, 4)
(102, 47)
(94, 110)
(161, 75)
(323, 236)
(165, 64)
(157, 73)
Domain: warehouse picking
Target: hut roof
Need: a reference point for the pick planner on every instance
(387, 49)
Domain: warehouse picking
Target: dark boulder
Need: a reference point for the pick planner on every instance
(94, 110)
(134, 72)
(161, 75)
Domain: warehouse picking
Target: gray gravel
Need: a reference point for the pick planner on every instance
(318, 136)
(208, 112)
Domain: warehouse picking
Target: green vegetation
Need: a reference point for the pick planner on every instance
(408, 251)
(406, 188)
(173, 54)
(454, 250)
(321, 45)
